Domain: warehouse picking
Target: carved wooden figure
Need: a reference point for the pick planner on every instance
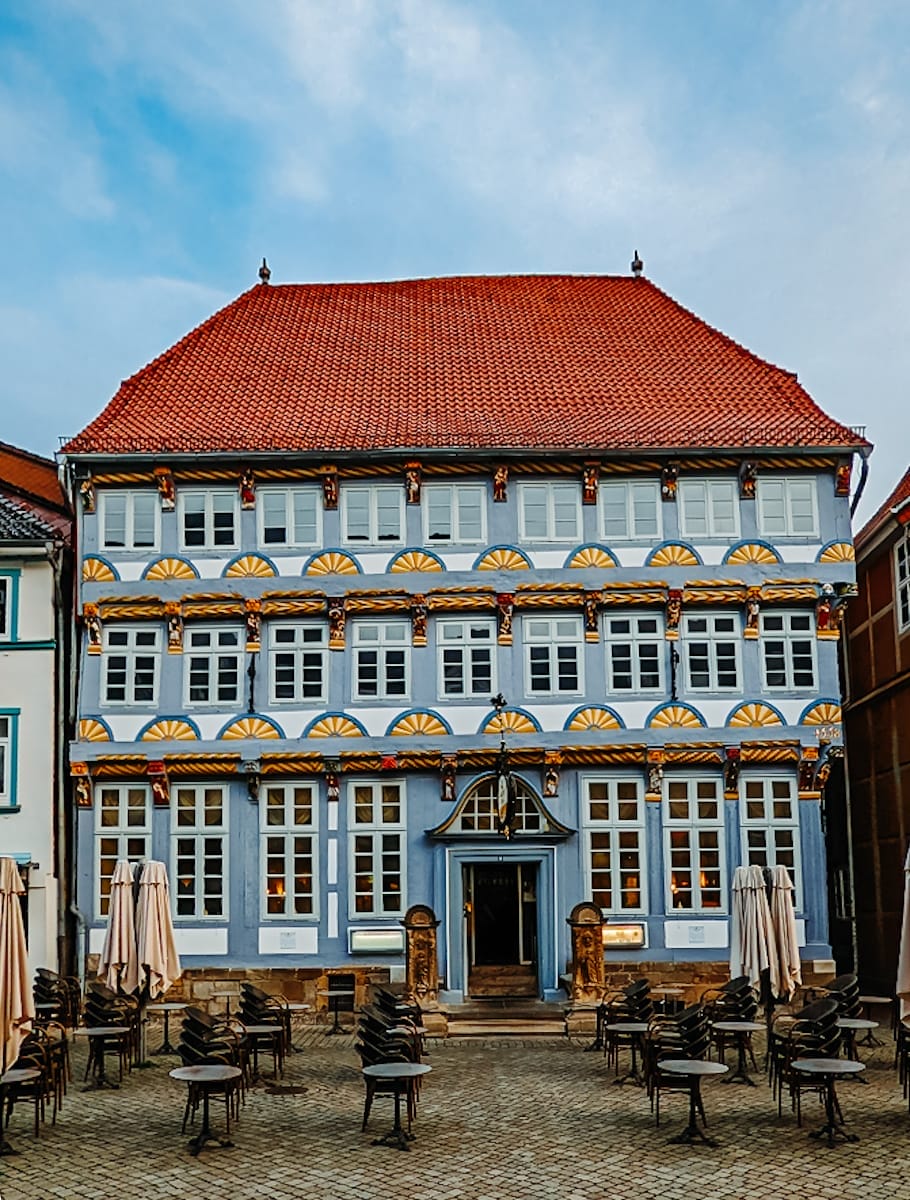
(412, 482)
(500, 484)
(421, 958)
(164, 477)
(87, 494)
(91, 619)
(248, 489)
(669, 478)
(329, 487)
(589, 481)
(337, 623)
(586, 924)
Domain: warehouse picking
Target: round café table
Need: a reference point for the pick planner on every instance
(296, 1011)
(829, 1070)
(868, 1003)
(99, 1036)
(850, 1027)
(271, 1033)
(167, 1008)
(332, 998)
(741, 1031)
(401, 1075)
(668, 995)
(634, 1030)
(11, 1079)
(207, 1077)
(695, 1070)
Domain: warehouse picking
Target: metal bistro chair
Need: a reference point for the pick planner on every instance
(685, 1035)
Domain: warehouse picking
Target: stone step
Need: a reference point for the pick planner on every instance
(550, 1027)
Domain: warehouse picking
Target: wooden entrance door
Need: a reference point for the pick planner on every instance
(501, 912)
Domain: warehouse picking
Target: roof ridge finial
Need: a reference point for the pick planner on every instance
(264, 273)
(637, 265)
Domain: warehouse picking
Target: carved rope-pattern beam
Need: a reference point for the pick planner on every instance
(393, 603)
(222, 608)
(463, 603)
(573, 599)
(786, 594)
(716, 596)
(131, 612)
(293, 764)
(182, 766)
(125, 477)
(693, 756)
(291, 608)
(773, 752)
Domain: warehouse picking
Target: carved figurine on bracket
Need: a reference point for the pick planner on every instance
(91, 619)
(655, 766)
(500, 484)
(164, 477)
(669, 478)
(87, 494)
(586, 924)
(174, 627)
(825, 614)
(337, 622)
(731, 772)
(748, 474)
(842, 478)
(412, 482)
(332, 779)
(674, 613)
(505, 606)
(253, 621)
(248, 488)
(161, 788)
(252, 769)
(82, 785)
(753, 612)
(419, 621)
(592, 609)
(329, 487)
(448, 789)
(552, 761)
(589, 481)
(808, 765)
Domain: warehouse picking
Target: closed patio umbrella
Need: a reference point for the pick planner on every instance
(903, 958)
(157, 951)
(783, 918)
(119, 965)
(16, 1003)
(752, 944)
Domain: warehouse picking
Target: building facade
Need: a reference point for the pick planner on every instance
(35, 626)
(876, 721)
(493, 595)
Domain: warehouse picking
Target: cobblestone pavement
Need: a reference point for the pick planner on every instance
(498, 1120)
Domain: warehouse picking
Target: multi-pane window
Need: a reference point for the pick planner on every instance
(711, 650)
(289, 516)
(382, 659)
(377, 841)
(614, 818)
(635, 653)
(553, 656)
(199, 836)
(454, 512)
(131, 658)
(297, 662)
(483, 805)
(708, 508)
(129, 520)
(629, 509)
(212, 663)
(770, 823)
(694, 844)
(787, 507)
(123, 829)
(466, 651)
(289, 849)
(372, 513)
(549, 512)
(208, 520)
(902, 582)
(7, 758)
(788, 649)
(6, 608)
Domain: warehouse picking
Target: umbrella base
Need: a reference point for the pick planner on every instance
(204, 1138)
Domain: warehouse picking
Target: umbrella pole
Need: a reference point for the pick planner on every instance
(144, 1060)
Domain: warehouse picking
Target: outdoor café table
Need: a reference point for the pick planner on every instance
(694, 1070)
(101, 1033)
(828, 1070)
(332, 998)
(167, 1008)
(634, 1029)
(206, 1076)
(401, 1075)
(868, 1003)
(665, 995)
(11, 1079)
(255, 1033)
(850, 1027)
(296, 1012)
(740, 1031)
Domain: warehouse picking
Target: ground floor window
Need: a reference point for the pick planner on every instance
(122, 831)
(287, 814)
(199, 836)
(377, 848)
(614, 822)
(769, 819)
(694, 844)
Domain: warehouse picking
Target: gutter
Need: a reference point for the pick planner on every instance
(861, 486)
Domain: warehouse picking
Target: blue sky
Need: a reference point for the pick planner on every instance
(754, 151)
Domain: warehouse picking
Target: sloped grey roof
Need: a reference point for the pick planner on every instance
(17, 524)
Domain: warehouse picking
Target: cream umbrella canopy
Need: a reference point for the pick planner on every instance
(752, 943)
(783, 918)
(157, 951)
(903, 958)
(17, 1006)
(119, 964)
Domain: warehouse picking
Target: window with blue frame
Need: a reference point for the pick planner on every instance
(8, 595)
(8, 731)
(902, 582)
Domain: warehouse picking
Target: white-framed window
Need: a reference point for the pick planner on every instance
(297, 662)
(549, 512)
(289, 849)
(629, 510)
(788, 650)
(8, 731)
(480, 811)
(787, 507)
(123, 829)
(769, 824)
(614, 822)
(129, 520)
(382, 660)
(289, 516)
(212, 664)
(694, 843)
(199, 828)
(131, 663)
(708, 508)
(377, 848)
(466, 654)
(711, 652)
(372, 513)
(902, 582)
(554, 656)
(454, 512)
(208, 519)
(8, 581)
(636, 649)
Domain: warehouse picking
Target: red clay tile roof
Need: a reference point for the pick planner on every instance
(898, 497)
(526, 362)
(27, 475)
